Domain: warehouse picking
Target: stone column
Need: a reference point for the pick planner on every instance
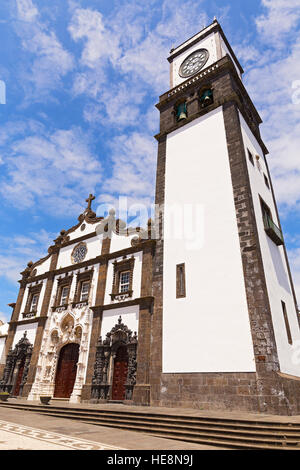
(41, 324)
(141, 391)
(157, 318)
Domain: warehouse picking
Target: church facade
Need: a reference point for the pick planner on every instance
(121, 314)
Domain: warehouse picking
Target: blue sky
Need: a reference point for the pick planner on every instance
(82, 79)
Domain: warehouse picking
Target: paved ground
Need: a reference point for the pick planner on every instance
(28, 430)
(20, 430)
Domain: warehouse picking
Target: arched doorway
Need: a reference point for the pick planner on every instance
(19, 377)
(120, 374)
(116, 353)
(16, 367)
(66, 370)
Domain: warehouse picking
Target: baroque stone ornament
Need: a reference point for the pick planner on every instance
(79, 253)
(119, 336)
(16, 367)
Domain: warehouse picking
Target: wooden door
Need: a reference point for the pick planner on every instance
(120, 374)
(19, 377)
(66, 370)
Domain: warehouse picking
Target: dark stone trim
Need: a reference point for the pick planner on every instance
(144, 301)
(257, 297)
(103, 258)
(29, 321)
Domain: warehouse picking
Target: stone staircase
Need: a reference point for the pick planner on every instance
(222, 432)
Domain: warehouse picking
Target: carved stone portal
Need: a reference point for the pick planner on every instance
(16, 367)
(106, 352)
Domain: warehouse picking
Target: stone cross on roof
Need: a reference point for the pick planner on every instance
(89, 201)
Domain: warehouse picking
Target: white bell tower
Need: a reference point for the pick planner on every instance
(225, 311)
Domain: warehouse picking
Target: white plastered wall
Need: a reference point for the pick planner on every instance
(275, 267)
(2, 345)
(208, 331)
(93, 250)
(30, 328)
(130, 318)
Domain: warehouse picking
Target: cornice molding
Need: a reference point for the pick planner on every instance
(144, 301)
(101, 259)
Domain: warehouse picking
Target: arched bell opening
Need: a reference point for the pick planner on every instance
(66, 370)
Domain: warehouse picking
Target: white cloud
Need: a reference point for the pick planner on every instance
(49, 60)
(56, 169)
(280, 20)
(133, 169)
(100, 43)
(294, 257)
(269, 83)
(17, 250)
(133, 48)
(26, 10)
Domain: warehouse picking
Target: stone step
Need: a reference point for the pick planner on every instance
(219, 438)
(177, 420)
(60, 400)
(225, 433)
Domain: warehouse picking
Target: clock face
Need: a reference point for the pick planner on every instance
(193, 63)
(79, 253)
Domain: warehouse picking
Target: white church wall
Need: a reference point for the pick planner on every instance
(80, 231)
(30, 328)
(225, 51)
(275, 267)
(93, 250)
(211, 325)
(119, 242)
(130, 318)
(2, 345)
(3, 331)
(43, 267)
(136, 281)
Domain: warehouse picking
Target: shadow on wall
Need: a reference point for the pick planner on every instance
(280, 271)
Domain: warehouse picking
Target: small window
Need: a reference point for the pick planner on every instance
(267, 181)
(124, 281)
(286, 321)
(266, 210)
(270, 227)
(180, 281)
(250, 157)
(34, 303)
(64, 295)
(84, 294)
